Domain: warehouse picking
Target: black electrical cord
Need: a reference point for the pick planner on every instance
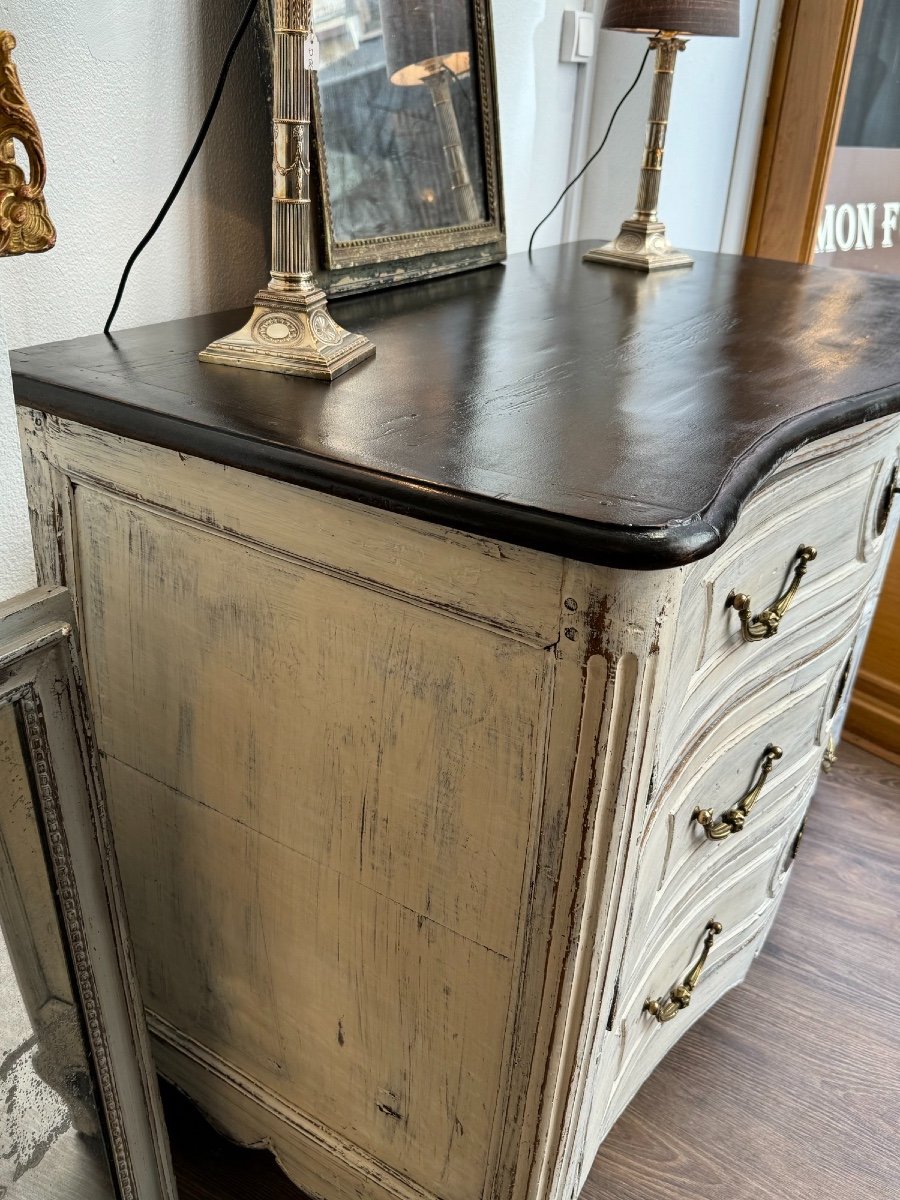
(189, 161)
(575, 179)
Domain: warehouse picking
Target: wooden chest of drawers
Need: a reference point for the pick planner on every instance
(450, 783)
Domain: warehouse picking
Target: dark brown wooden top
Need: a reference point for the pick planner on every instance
(589, 411)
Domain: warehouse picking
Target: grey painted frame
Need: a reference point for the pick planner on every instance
(371, 263)
(40, 676)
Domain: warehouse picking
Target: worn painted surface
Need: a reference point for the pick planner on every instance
(405, 816)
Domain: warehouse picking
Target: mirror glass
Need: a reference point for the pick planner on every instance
(51, 1139)
(401, 116)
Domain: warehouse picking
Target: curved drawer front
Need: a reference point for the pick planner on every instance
(734, 780)
(828, 497)
(744, 905)
(733, 696)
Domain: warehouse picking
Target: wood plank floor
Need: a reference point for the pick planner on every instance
(789, 1088)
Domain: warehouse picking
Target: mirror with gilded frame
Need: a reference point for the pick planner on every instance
(407, 145)
(80, 1116)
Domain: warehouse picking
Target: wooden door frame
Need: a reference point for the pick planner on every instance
(806, 101)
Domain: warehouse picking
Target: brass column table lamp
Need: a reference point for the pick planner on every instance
(291, 330)
(642, 242)
(426, 43)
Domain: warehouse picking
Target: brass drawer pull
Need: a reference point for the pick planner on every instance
(829, 758)
(884, 512)
(665, 1008)
(766, 624)
(733, 821)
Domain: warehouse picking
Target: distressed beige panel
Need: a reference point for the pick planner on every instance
(395, 744)
(384, 1025)
(507, 586)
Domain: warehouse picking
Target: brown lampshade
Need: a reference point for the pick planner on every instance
(421, 35)
(713, 18)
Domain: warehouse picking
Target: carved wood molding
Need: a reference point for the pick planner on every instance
(25, 225)
(76, 926)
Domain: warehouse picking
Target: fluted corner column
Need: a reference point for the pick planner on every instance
(642, 242)
(291, 195)
(291, 330)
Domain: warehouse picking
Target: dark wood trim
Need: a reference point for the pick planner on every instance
(806, 101)
(636, 547)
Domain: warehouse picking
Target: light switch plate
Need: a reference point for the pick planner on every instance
(577, 43)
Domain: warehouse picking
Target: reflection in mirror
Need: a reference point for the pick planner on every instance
(51, 1143)
(401, 116)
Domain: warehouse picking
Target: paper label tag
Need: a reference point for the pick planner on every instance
(311, 52)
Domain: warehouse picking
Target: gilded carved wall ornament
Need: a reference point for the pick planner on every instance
(25, 225)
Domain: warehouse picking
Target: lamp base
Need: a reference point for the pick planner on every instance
(642, 246)
(293, 335)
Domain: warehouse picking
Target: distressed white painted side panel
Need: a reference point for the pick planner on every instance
(382, 740)
(465, 586)
(383, 1025)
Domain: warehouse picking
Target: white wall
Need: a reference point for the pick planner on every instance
(119, 88)
(16, 564)
(537, 102)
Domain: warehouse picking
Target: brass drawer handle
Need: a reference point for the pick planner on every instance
(884, 512)
(766, 624)
(829, 758)
(733, 821)
(665, 1008)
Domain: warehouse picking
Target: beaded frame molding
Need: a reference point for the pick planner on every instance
(41, 680)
